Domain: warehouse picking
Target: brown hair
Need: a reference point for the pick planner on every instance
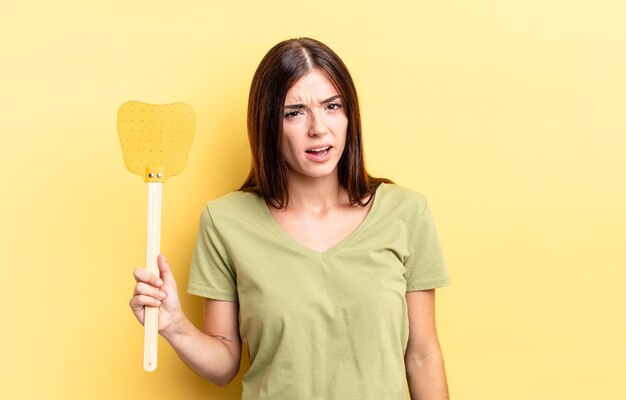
(280, 69)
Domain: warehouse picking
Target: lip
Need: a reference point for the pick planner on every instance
(318, 146)
(319, 158)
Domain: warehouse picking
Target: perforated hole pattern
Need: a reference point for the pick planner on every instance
(156, 135)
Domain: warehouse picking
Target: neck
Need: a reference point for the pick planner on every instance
(314, 194)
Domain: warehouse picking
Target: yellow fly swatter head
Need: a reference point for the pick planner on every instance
(155, 138)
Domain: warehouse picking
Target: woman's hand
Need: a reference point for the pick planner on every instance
(206, 352)
(157, 292)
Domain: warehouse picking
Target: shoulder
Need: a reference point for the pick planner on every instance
(232, 209)
(395, 196)
(232, 202)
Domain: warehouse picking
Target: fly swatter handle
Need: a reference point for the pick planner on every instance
(151, 314)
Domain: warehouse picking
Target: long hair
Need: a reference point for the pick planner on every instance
(278, 71)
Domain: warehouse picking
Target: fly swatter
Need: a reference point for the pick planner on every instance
(155, 143)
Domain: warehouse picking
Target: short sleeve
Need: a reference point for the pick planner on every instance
(425, 266)
(212, 274)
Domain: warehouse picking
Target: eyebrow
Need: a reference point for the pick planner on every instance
(328, 100)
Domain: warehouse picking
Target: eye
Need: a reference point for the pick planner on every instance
(334, 106)
(292, 114)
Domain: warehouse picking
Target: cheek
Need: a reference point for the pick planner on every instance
(342, 131)
(289, 144)
(340, 124)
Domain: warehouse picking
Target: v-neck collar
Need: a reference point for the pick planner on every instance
(293, 243)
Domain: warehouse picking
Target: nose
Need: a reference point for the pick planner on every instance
(317, 124)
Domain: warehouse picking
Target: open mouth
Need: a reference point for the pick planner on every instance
(320, 151)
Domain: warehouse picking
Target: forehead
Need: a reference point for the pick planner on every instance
(314, 85)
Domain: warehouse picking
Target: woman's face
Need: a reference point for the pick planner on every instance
(314, 126)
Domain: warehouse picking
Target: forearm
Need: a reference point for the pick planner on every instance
(208, 356)
(426, 376)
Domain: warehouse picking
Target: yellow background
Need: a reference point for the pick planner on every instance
(508, 115)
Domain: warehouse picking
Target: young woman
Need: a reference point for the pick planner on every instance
(327, 273)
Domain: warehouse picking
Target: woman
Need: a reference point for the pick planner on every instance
(327, 273)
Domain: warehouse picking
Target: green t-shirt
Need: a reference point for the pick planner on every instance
(331, 325)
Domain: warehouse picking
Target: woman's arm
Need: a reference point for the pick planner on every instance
(423, 360)
(213, 353)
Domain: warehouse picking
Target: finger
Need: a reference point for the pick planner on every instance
(143, 275)
(142, 300)
(138, 310)
(166, 271)
(147, 290)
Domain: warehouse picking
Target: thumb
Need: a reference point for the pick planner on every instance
(164, 267)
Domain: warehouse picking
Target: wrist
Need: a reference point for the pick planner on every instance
(178, 327)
